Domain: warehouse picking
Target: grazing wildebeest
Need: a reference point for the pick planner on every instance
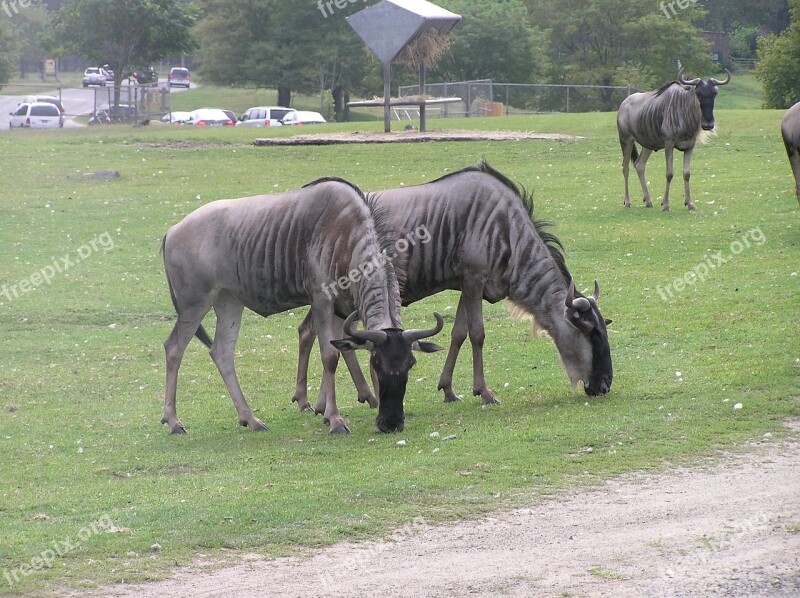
(673, 117)
(790, 130)
(271, 253)
(485, 243)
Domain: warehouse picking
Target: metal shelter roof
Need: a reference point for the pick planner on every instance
(391, 25)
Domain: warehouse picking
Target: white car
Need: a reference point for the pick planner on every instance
(36, 115)
(264, 116)
(209, 117)
(303, 117)
(176, 118)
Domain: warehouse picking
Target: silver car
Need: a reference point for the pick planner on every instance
(264, 116)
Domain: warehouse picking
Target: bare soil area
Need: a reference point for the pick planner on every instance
(410, 136)
(727, 527)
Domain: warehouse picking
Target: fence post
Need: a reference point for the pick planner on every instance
(567, 99)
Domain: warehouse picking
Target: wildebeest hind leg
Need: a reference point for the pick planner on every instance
(641, 165)
(188, 322)
(794, 161)
(229, 319)
(472, 295)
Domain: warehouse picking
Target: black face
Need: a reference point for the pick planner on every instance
(392, 361)
(592, 324)
(706, 93)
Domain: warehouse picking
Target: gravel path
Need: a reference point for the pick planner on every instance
(729, 527)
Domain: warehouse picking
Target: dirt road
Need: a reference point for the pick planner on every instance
(729, 527)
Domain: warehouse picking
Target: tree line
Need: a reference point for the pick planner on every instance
(301, 47)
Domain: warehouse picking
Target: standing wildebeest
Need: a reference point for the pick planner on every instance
(790, 130)
(485, 243)
(675, 116)
(271, 253)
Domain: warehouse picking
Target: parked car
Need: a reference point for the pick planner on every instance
(36, 115)
(146, 75)
(49, 99)
(303, 117)
(178, 77)
(209, 117)
(94, 75)
(176, 118)
(264, 116)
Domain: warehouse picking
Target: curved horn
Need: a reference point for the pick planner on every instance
(682, 80)
(414, 335)
(374, 336)
(717, 82)
(580, 303)
(596, 293)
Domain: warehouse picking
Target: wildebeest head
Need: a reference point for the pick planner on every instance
(588, 359)
(391, 359)
(706, 92)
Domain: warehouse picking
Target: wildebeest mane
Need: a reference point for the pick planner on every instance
(666, 86)
(554, 245)
(336, 179)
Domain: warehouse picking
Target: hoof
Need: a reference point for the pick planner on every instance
(373, 402)
(487, 397)
(255, 425)
(302, 403)
(175, 427)
(340, 429)
(452, 398)
(691, 206)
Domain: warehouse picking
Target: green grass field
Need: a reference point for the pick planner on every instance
(83, 365)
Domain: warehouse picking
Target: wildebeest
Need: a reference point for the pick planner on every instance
(790, 130)
(271, 253)
(674, 117)
(485, 243)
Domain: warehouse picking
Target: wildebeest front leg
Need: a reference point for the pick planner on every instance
(668, 155)
(189, 320)
(457, 337)
(641, 165)
(687, 160)
(326, 403)
(229, 320)
(472, 295)
(307, 335)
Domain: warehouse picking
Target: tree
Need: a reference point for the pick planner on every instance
(619, 42)
(291, 46)
(495, 40)
(8, 51)
(31, 25)
(125, 34)
(779, 69)
(727, 15)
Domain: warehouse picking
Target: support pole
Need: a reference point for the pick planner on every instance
(387, 96)
(422, 120)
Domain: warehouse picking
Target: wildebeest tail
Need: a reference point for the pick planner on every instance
(201, 332)
(634, 153)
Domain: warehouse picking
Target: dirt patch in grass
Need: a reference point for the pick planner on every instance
(409, 137)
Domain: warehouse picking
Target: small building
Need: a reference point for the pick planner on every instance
(720, 46)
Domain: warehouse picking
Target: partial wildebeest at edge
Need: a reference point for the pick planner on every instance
(674, 117)
(271, 253)
(790, 130)
(486, 244)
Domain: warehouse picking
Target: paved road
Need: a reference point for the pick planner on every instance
(77, 102)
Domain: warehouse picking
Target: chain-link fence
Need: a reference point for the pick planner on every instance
(137, 103)
(486, 98)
